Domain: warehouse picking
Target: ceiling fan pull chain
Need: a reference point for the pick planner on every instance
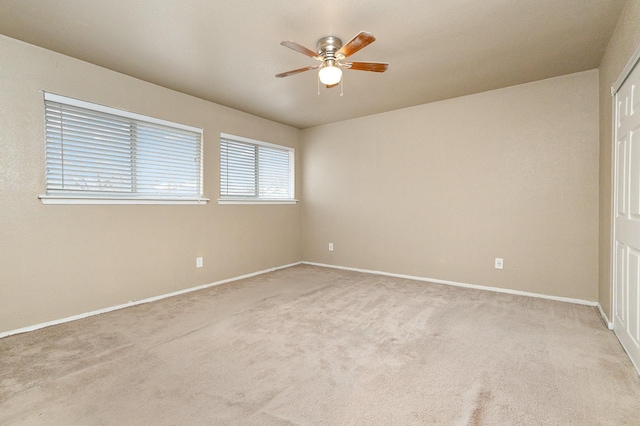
(341, 86)
(318, 84)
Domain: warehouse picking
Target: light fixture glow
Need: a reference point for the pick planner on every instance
(330, 74)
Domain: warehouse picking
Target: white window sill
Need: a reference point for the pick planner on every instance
(252, 201)
(69, 199)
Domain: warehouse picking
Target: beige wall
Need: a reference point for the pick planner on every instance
(440, 190)
(625, 40)
(58, 261)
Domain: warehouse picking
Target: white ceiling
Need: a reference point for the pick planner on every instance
(228, 51)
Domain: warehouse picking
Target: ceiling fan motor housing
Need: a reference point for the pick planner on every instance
(328, 46)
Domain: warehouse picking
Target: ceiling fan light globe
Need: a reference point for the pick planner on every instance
(330, 75)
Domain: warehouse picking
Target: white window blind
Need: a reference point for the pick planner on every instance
(254, 170)
(101, 152)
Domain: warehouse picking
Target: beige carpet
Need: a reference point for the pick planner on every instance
(315, 346)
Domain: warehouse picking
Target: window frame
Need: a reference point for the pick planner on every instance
(256, 199)
(61, 196)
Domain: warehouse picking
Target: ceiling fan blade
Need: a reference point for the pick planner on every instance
(358, 42)
(329, 86)
(367, 66)
(292, 72)
(298, 48)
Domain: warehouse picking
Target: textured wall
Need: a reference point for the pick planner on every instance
(440, 190)
(625, 40)
(58, 261)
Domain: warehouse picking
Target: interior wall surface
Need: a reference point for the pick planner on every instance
(624, 41)
(441, 190)
(57, 261)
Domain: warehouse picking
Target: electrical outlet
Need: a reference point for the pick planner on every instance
(499, 263)
(199, 262)
(330, 246)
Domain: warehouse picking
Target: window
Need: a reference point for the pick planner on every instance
(97, 154)
(254, 171)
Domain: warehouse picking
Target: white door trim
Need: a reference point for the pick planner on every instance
(633, 60)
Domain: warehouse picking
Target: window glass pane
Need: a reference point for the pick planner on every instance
(167, 162)
(274, 173)
(238, 169)
(86, 152)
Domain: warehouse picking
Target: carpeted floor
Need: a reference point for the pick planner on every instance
(317, 346)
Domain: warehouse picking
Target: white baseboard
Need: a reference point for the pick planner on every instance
(139, 302)
(604, 317)
(204, 286)
(459, 284)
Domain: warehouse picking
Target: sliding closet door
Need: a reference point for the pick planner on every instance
(627, 217)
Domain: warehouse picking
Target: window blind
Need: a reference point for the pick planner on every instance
(254, 170)
(92, 150)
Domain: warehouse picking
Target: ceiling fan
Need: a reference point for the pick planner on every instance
(330, 51)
